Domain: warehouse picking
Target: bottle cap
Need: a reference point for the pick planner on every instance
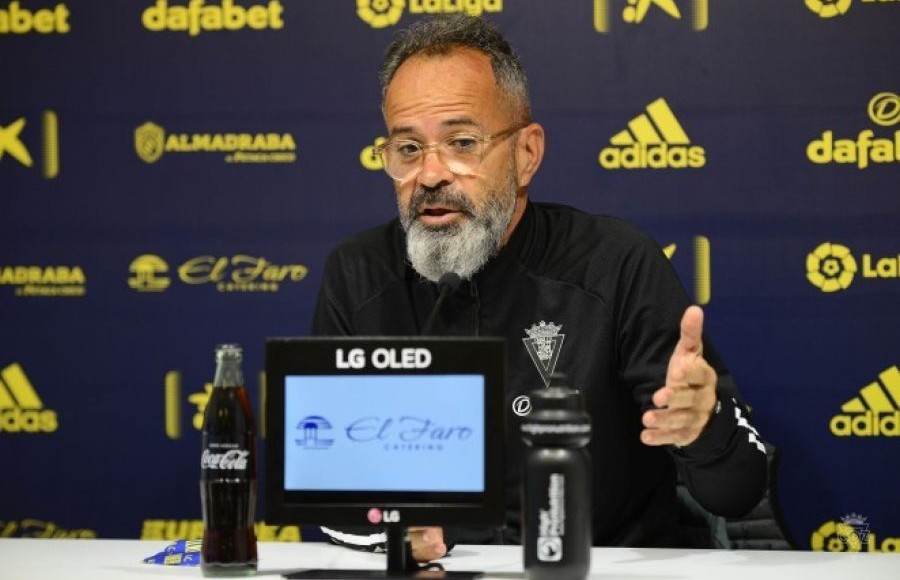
(229, 351)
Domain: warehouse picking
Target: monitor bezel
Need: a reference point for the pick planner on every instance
(483, 356)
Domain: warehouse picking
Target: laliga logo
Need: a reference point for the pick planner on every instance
(828, 8)
(377, 516)
(384, 13)
(851, 534)
(831, 267)
(369, 159)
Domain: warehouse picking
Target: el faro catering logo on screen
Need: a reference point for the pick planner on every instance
(384, 13)
(151, 141)
(636, 11)
(831, 267)
(197, 16)
(866, 148)
(17, 18)
(237, 273)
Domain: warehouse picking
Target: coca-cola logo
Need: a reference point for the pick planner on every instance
(233, 459)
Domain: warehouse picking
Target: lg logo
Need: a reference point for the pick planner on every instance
(377, 516)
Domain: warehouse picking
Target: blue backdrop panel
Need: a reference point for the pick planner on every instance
(173, 175)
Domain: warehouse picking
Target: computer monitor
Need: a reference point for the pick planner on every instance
(385, 433)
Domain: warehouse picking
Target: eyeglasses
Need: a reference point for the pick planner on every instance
(461, 153)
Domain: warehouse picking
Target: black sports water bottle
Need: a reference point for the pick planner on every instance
(228, 472)
(556, 479)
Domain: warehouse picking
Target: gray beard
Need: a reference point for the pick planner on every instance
(463, 248)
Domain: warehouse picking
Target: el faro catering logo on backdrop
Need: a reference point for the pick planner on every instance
(197, 16)
(832, 8)
(875, 412)
(17, 18)
(151, 141)
(866, 148)
(16, 133)
(384, 13)
(636, 11)
(652, 140)
(237, 273)
(831, 267)
(21, 408)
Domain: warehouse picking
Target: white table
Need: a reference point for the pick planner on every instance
(35, 559)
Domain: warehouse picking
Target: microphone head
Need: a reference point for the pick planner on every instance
(450, 281)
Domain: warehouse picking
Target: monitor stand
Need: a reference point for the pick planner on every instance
(400, 565)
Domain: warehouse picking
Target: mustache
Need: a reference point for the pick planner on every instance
(441, 196)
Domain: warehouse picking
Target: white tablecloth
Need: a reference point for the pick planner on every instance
(36, 559)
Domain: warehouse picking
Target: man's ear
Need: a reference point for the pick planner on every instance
(529, 153)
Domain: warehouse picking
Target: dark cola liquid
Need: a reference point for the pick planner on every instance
(229, 540)
(228, 473)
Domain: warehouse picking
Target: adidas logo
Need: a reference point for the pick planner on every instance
(653, 140)
(875, 412)
(21, 408)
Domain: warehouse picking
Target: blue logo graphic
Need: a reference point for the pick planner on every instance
(309, 430)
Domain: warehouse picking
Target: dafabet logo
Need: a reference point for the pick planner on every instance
(653, 140)
(14, 136)
(875, 412)
(636, 11)
(21, 409)
(151, 141)
(199, 16)
(237, 273)
(18, 19)
(384, 13)
(831, 267)
(866, 148)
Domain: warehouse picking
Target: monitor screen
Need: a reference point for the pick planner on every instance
(411, 427)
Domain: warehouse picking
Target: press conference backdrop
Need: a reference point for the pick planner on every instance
(173, 174)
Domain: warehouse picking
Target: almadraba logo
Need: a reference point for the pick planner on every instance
(12, 144)
(44, 281)
(21, 409)
(198, 16)
(866, 148)
(653, 140)
(16, 19)
(151, 141)
(237, 273)
(832, 8)
(384, 13)
(635, 11)
(851, 534)
(831, 267)
(875, 412)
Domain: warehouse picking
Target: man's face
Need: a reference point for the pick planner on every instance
(454, 223)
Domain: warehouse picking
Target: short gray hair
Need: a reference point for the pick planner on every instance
(441, 35)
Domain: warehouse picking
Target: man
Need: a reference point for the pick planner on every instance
(462, 149)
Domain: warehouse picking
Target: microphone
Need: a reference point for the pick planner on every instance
(447, 284)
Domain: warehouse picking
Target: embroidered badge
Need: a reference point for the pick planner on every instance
(544, 343)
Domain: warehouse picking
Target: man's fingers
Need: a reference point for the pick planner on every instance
(691, 339)
(427, 543)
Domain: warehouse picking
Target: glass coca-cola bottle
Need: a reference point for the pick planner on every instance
(228, 472)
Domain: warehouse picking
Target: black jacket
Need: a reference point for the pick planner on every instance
(617, 304)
